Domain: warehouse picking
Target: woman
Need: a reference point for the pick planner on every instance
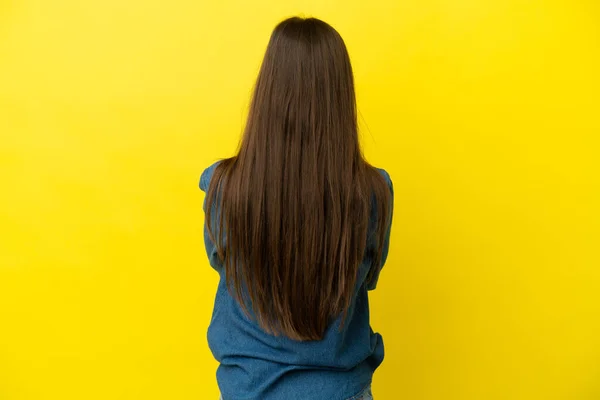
(297, 226)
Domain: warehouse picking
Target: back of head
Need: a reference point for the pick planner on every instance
(295, 201)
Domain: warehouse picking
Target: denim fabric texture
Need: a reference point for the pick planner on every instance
(364, 395)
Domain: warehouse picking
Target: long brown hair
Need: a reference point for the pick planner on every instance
(294, 204)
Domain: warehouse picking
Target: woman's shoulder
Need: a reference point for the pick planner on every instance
(384, 173)
(207, 176)
(385, 176)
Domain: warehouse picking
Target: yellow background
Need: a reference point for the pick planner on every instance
(484, 112)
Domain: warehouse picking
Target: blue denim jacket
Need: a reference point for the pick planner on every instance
(255, 365)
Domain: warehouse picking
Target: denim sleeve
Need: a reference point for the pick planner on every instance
(206, 177)
(211, 251)
(372, 284)
(211, 248)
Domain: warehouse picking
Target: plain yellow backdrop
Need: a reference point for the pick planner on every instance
(486, 114)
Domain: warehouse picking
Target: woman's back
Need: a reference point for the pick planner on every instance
(297, 225)
(258, 365)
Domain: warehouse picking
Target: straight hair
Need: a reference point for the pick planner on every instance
(292, 208)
